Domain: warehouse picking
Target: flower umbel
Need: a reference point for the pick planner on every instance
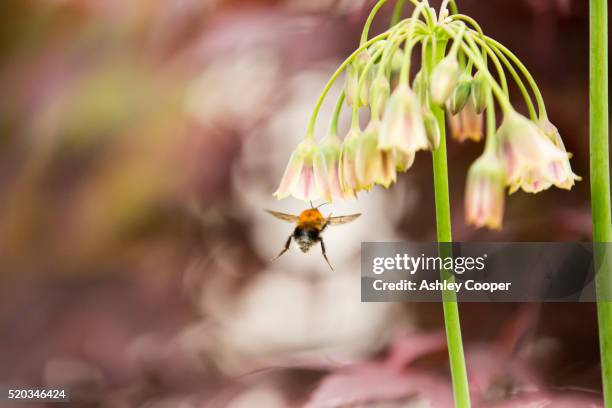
(524, 153)
(453, 75)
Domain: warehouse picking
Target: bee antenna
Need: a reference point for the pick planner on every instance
(311, 206)
(321, 205)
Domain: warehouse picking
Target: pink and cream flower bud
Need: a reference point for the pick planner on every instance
(480, 91)
(432, 129)
(467, 124)
(379, 94)
(444, 79)
(484, 195)
(327, 167)
(531, 159)
(298, 180)
(353, 72)
(346, 169)
(402, 126)
(374, 165)
(461, 94)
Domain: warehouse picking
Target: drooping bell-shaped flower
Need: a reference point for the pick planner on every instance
(402, 126)
(374, 165)
(347, 171)
(299, 180)
(467, 124)
(327, 167)
(531, 159)
(562, 172)
(353, 72)
(484, 195)
(444, 79)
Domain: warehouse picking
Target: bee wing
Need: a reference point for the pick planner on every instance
(283, 216)
(345, 219)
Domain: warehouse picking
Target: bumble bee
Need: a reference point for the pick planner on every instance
(308, 228)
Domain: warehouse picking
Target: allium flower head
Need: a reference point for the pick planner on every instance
(404, 117)
(444, 79)
(484, 195)
(374, 165)
(402, 126)
(326, 168)
(298, 180)
(531, 159)
(467, 124)
(347, 171)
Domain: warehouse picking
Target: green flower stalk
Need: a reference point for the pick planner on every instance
(600, 185)
(455, 81)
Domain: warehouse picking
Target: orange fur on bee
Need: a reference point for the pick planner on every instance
(311, 218)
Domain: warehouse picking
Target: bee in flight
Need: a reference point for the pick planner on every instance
(309, 226)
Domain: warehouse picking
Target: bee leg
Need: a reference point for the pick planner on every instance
(324, 255)
(285, 249)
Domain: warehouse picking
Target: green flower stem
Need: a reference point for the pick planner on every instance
(500, 70)
(397, 12)
(600, 185)
(396, 39)
(333, 125)
(453, 7)
(362, 78)
(480, 64)
(405, 70)
(519, 82)
(360, 84)
(524, 71)
(457, 41)
(370, 19)
(317, 108)
(490, 143)
(458, 369)
(470, 21)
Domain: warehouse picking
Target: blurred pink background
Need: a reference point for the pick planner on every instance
(139, 144)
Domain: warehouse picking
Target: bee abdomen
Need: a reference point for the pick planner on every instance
(305, 238)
